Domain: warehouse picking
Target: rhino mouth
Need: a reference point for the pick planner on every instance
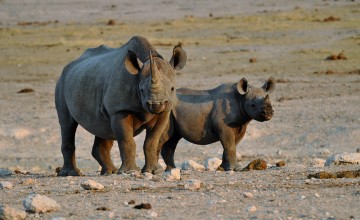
(157, 107)
(267, 114)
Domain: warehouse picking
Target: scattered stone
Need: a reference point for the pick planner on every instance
(28, 181)
(143, 206)
(173, 174)
(212, 164)
(26, 90)
(252, 208)
(317, 162)
(151, 214)
(331, 19)
(252, 60)
(193, 184)
(111, 22)
(134, 173)
(5, 172)
(340, 56)
(192, 165)
(131, 202)
(230, 172)
(280, 163)
(339, 174)
(6, 185)
(148, 176)
(162, 164)
(91, 185)
(258, 164)
(7, 212)
(248, 195)
(343, 159)
(317, 195)
(103, 208)
(40, 204)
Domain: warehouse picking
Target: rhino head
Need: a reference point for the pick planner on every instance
(257, 102)
(156, 88)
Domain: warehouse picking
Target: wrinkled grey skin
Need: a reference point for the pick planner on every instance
(115, 93)
(221, 114)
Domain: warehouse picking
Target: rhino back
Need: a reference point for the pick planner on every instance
(198, 113)
(94, 85)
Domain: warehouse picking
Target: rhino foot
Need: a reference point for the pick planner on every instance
(128, 169)
(65, 172)
(154, 170)
(107, 172)
(236, 168)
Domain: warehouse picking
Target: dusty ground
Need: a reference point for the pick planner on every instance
(316, 103)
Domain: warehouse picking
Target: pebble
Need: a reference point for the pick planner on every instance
(7, 212)
(343, 158)
(148, 176)
(317, 195)
(5, 172)
(252, 208)
(28, 181)
(317, 162)
(212, 164)
(248, 195)
(135, 173)
(40, 204)
(6, 185)
(173, 174)
(162, 164)
(193, 184)
(192, 165)
(230, 172)
(91, 185)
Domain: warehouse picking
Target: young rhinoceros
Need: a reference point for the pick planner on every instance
(223, 113)
(115, 93)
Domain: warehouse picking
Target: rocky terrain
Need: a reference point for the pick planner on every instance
(311, 48)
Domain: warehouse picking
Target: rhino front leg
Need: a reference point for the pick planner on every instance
(101, 152)
(122, 126)
(229, 160)
(68, 130)
(151, 144)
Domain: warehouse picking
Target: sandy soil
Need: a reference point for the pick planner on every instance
(316, 104)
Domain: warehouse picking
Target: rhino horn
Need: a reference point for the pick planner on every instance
(154, 72)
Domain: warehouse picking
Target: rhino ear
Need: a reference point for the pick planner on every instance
(178, 59)
(269, 85)
(132, 63)
(242, 86)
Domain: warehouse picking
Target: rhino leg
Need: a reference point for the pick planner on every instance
(168, 151)
(101, 152)
(229, 160)
(122, 125)
(151, 144)
(68, 130)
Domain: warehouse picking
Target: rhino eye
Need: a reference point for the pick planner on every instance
(172, 89)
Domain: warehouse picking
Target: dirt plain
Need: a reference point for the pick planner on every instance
(316, 104)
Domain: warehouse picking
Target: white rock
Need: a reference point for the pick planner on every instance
(91, 185)
(343, 158)
(6, 185)
(252, 208)
(148, 176)
(162, 164)
(192, 165)
(193, 184)
(151, 214)
(173, 174)
(317, 162)
(40, 204)
(212, 164)
(7, 212)
(248, 195)
(134, 173)
(5, 172)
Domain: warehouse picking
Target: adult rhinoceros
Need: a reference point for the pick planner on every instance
(115, 93)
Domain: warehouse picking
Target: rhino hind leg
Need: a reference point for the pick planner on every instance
(101, 152)
(68, 130)
(168, 151)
